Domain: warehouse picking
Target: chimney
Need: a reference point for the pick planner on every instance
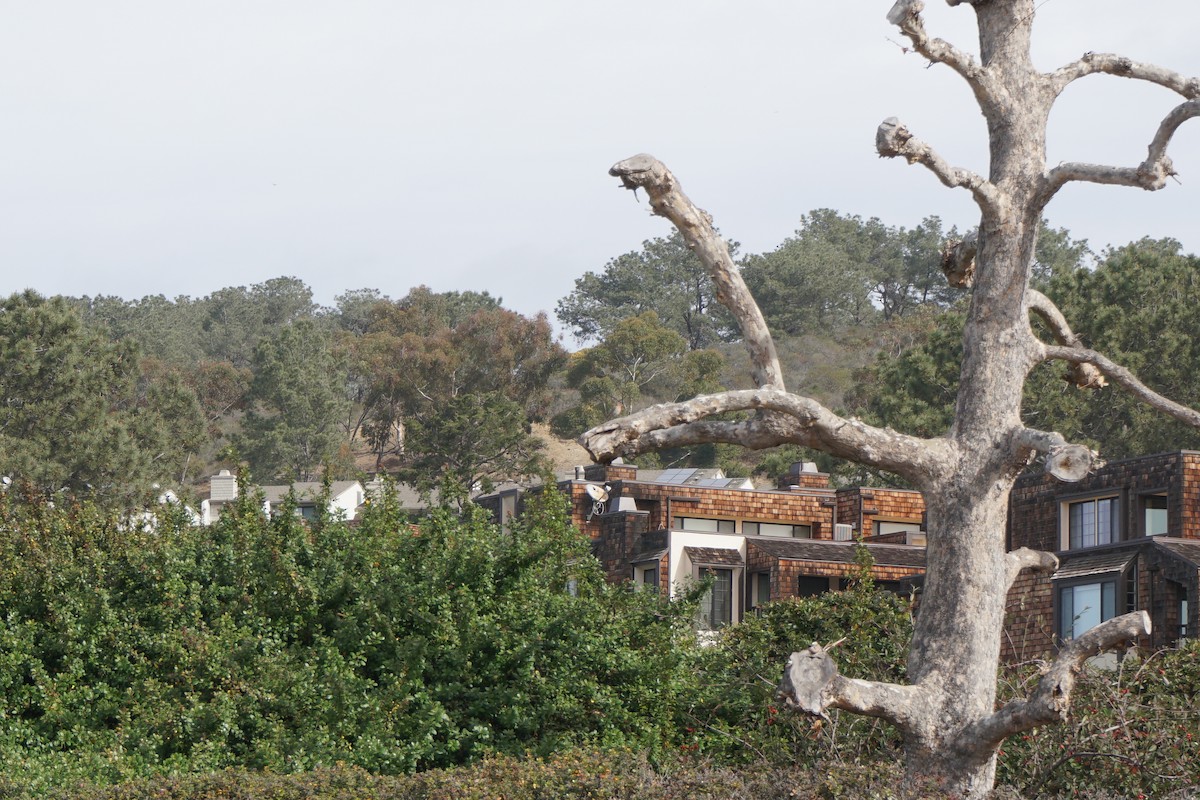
(804, 475)
(222, 487)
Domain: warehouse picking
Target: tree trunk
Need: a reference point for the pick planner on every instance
(951, 726)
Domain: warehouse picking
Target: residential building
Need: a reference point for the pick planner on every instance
(1127, 538)
(345, 497)
(665, 529)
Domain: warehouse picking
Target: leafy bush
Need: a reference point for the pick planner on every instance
(281, 646)
(736, 717)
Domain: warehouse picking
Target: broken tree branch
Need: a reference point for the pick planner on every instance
(893, 139)
(1063, 461)
(906, 15)
(1125, 379)
(1082, 375)
(1024, 558)
(755, 434)
(811, 683)
(804, 421)
(1112, 64)
(1051, 698)
(696, 227)
(1150, 175)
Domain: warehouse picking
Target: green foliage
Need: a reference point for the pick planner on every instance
(297, 404)
(167, 330)
(736, 716)
(80, 415)
(275, 645)
(664, 277)
(1136, 306)
(640, 360)
(915, 391)
(238, 319)
(840, 270)
(427, 368)
(447, 446)
(619, 774)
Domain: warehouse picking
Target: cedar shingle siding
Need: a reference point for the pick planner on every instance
(1157, 573)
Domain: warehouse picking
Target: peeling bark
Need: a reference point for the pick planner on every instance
(958, 260)
(947, 713)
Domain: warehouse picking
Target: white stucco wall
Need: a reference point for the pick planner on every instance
(682, 570)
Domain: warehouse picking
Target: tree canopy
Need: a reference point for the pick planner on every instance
(80, 416)
(664, 277)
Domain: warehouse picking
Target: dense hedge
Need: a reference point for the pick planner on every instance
(283, 646)
(280, 659)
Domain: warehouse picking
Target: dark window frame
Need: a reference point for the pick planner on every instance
(1124, 597)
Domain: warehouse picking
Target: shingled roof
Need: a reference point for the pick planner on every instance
(714, 556)
(1187, 549)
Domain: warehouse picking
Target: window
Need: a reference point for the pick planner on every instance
(647, 577)
(777, 529)
(701, 525)
(1154, 514)
(811, 585)
(1084, 606)
(716, 607)
(760, 589)
(882, 527)
(1093, 522)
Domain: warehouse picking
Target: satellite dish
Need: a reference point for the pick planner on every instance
(599, 495)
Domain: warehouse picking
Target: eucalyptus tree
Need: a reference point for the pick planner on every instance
(947, 712)
(663, 277)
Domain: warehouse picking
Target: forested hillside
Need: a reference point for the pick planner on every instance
(109, 396)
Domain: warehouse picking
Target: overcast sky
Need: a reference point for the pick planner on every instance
(180, 146)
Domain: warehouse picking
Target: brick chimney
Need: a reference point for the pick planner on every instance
(804, 475)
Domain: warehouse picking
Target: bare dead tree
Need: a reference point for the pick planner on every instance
(947, 713)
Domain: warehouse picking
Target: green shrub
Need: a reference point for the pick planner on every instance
(735, 716)
(276, 645)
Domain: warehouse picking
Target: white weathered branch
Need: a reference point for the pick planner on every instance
(1126, 380)
(1063, 461)
(1111, 64)
(811, 683)
(1051, 698)
(1024, 558)
(893, 139)
(1150, 175)
(1082, 374)
(906, 15)
(804, 421)
(696, 227)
